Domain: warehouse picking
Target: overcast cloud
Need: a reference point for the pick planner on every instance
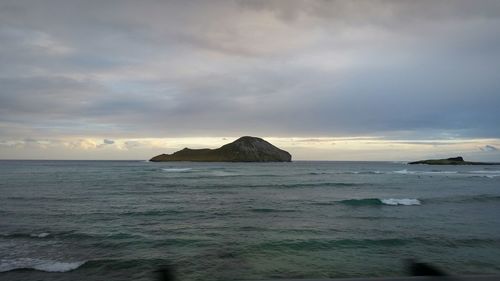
(152, 69)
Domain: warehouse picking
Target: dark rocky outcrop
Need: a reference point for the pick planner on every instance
(451, 161)
(244, 149)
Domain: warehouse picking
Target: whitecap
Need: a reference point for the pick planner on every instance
(375, 172)
(40, 235)
(223, 174)
(405, 202)
(177, 170)
(440, 172)
(484, 176)
(485, 172)
(404, 172)
(364, 172)
(39, 264)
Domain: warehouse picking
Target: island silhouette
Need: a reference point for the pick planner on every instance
(244, 149)
(459, 160)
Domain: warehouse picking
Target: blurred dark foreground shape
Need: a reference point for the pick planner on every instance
(418, 271)
(165, 273)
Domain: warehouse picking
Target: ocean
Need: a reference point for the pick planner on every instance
(123, 220)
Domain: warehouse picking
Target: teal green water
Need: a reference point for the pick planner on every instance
(121, 220)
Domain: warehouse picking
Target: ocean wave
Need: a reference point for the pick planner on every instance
(271, 210)
(484, 198)
(406, 172)
(378, 172)
(482, 173)
(484, 176)
(404, 202)
(25, 235)
(379, 202)
(289, 185)
(332, 244)
(373, 172)
(317, 184)
(224, 174)
(485, 173)
(68, 235)
(50, 198)
(466, 199)
(176, 170)
(439, 172)
(346, 173)
(40, 235)
(159, 212)
(38, 264)
(106, 240)
(122, 264)
(329, 244)
(190, 173)
(317, 173)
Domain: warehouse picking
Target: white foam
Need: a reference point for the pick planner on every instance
(404, 172)
(40, 235)
(484, 176)
(39, 264)
(223, 174)
(439, 172)
(177, 170)
(405, 202)
(364, 172)
(485, 172)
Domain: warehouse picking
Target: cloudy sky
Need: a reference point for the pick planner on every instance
(326, 80)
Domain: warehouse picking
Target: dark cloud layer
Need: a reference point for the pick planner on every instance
(415, 69)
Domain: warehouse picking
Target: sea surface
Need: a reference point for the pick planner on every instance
(123, 220)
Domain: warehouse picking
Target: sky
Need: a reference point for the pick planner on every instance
(325, 80)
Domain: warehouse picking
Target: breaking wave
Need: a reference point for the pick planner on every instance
(26, 235)
(40, 235)
(224, 174)
(404, 202)
(486, 173)
(481, 173)
(38, 264)
(406, 172)
(380, 202)
(271, 210)
(176, 170)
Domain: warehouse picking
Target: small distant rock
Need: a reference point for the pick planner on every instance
(459, 160)
(244, 149)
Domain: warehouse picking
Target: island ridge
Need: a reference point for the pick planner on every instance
(244, 149)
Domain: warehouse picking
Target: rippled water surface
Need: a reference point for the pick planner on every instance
(122, 220)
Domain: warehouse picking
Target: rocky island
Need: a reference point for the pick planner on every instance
(451, 161)
(244, 149)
